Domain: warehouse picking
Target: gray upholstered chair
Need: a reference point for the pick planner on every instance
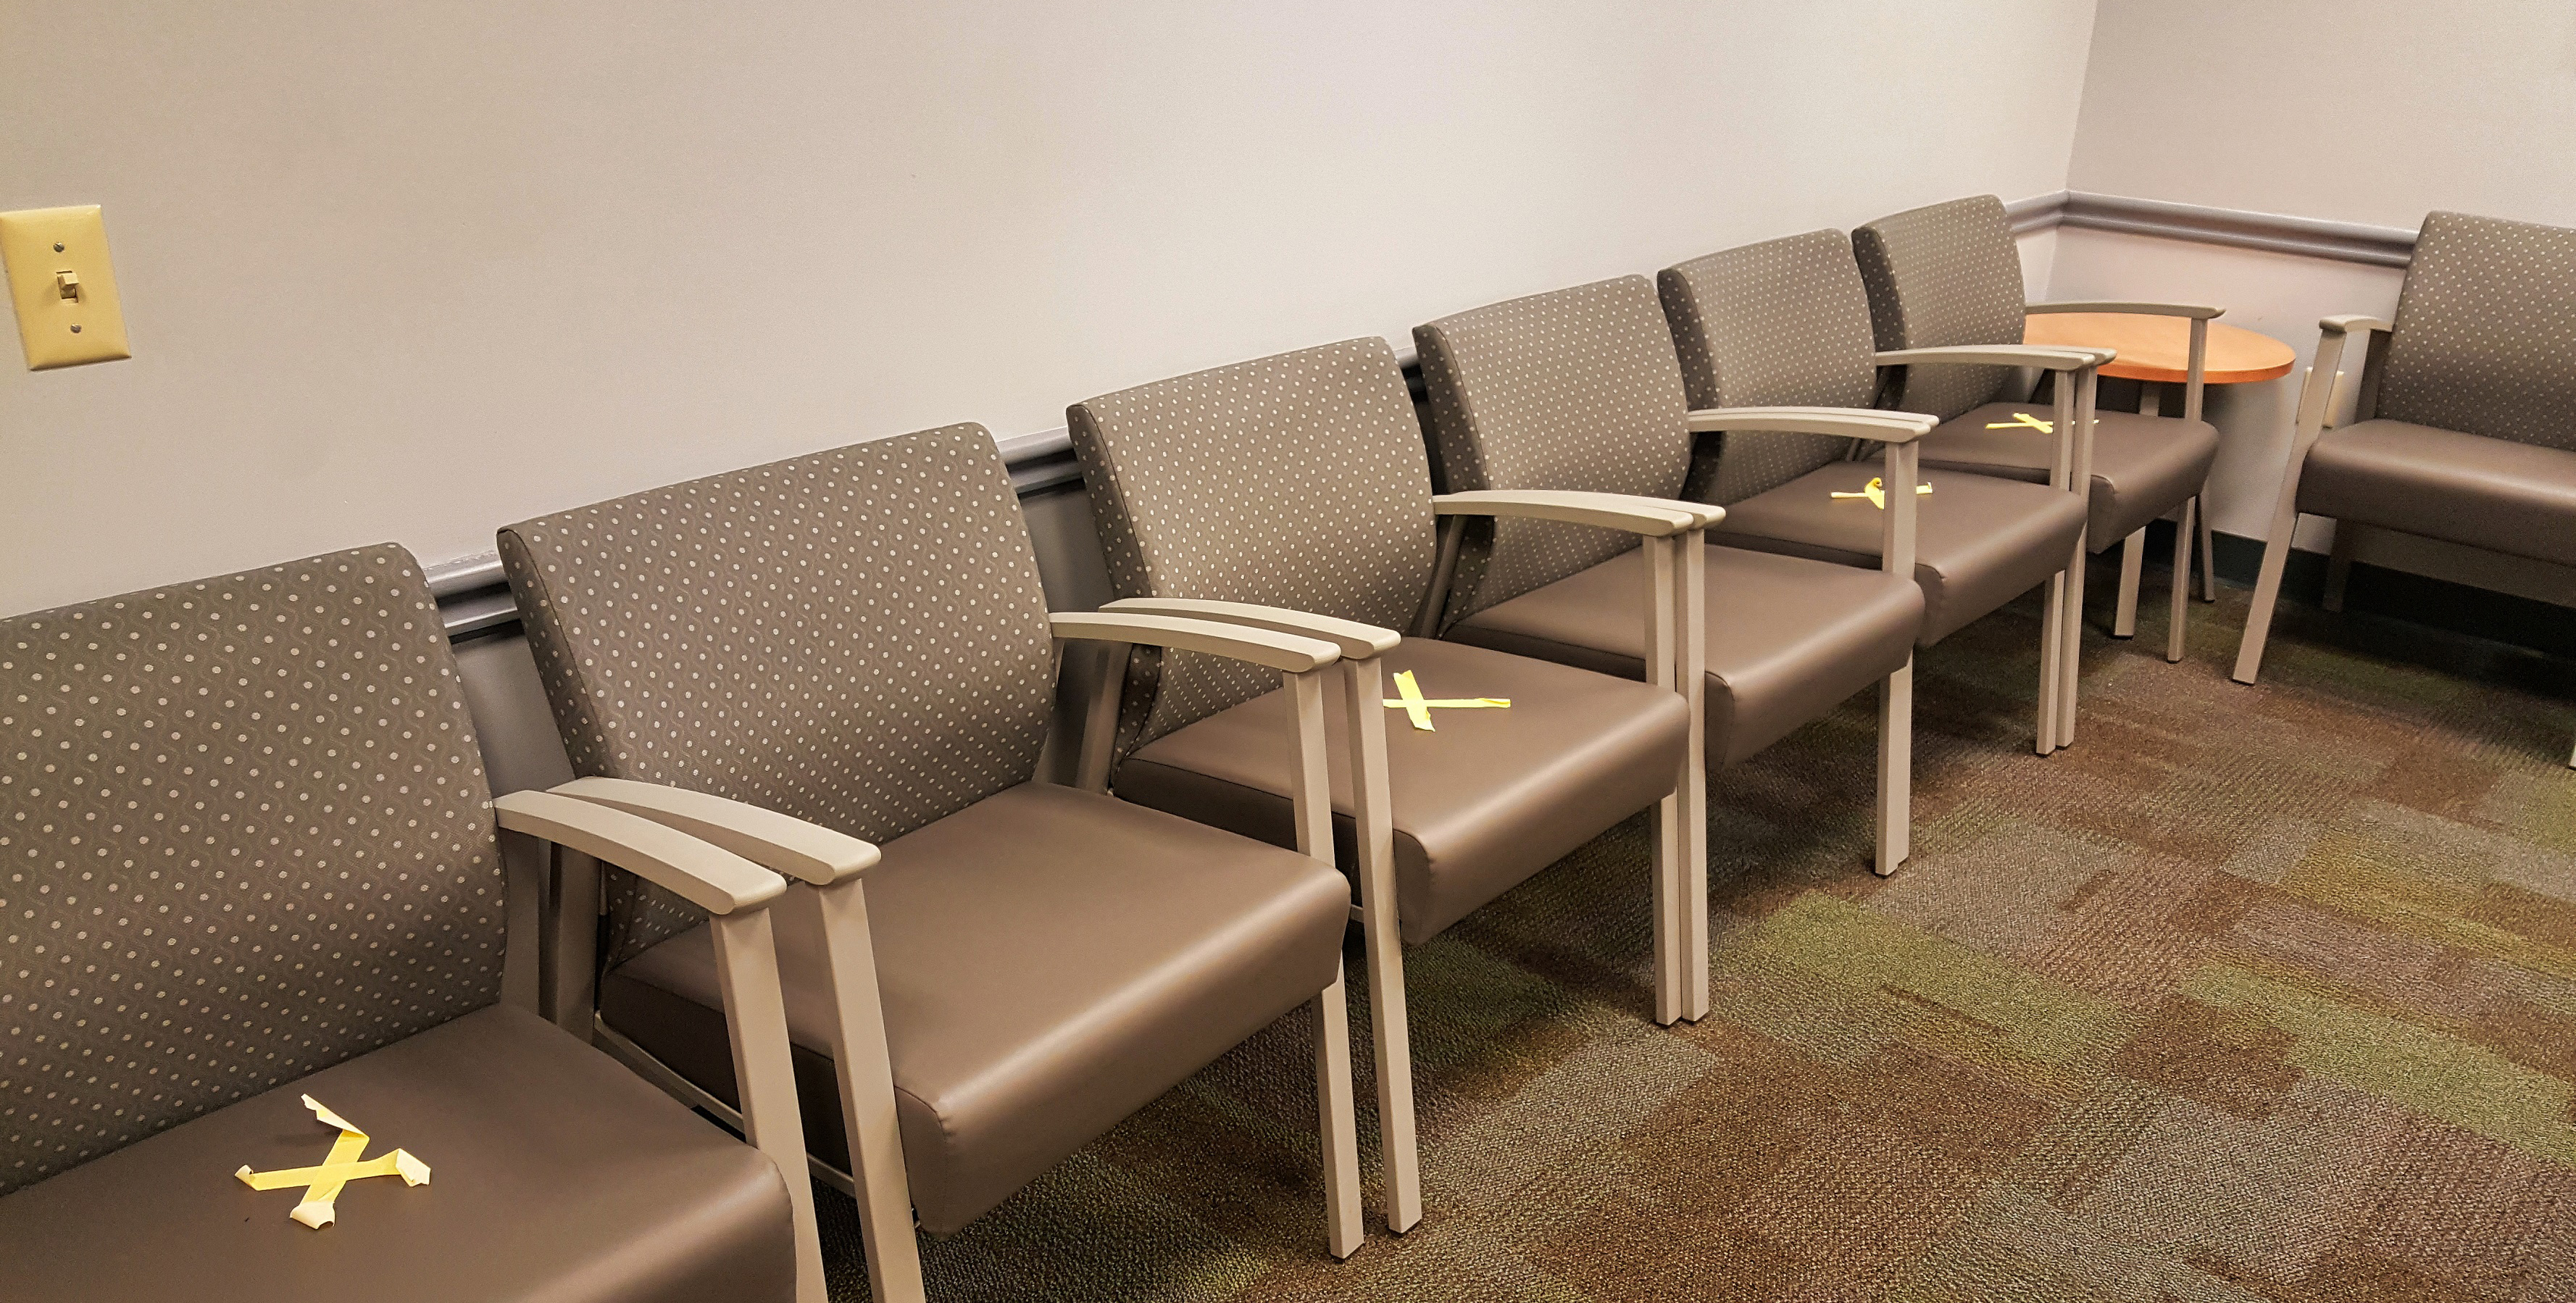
(841, 666)
(1579, 389)
(251, 862)
(1950, 275)
(2464, 424)
(1787, 322)
(1295, 491)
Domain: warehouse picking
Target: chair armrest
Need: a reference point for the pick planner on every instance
(1285, 652)
(1651, 517)
(1854, 422)
(781, 843)
(709, 877)
(2045, 358)
(2198, 311)
(2349, 324)
(1355, 641)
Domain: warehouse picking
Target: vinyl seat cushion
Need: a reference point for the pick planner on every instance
(556, 1176)
(1481, 803)
(1787, 637)
(2516, 498)
(1980, 540)
(1050, 960)
(2143, 466)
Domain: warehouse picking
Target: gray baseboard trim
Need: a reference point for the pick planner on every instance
(2397, 600)
(2381, 246)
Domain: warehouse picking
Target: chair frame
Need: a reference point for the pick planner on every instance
(2061, 624)
(2194, 513)
(2318, 395)
(833, 865)
(1672, 534)
(1673, 609)
(1901, 433)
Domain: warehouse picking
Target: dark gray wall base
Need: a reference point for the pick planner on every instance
(2396, 595)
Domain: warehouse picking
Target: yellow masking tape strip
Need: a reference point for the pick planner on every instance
(322, 1183)
(1418, 708)
(2024, 421)
(1877, 493)
(398, 1163)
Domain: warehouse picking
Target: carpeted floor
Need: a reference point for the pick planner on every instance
(2255, 993)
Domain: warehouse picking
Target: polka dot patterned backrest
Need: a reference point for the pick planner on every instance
(244, 835)
(1943, 276)
(2485, 338)
(1784, 323)
(1574, 389)
(1298, 480)
(855, 637)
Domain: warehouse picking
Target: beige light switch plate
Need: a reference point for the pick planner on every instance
(62, 286)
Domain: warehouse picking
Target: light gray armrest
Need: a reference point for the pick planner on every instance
(782, 843)
(1853, 422)
(1355, 641)
(2049, 358)
(2198, 311)
(2349, 324)
(1651, 517)
(1284, 652)
(709, 877)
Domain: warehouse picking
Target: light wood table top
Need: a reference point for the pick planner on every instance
(2159, 348)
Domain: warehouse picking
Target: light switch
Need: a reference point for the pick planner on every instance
(62, 286)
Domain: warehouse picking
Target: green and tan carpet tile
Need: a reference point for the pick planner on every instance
(2256, 993)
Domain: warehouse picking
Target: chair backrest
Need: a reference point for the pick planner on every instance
(1941, 276)
(854, 637)
(1572, 389)
(246, 836)
(2485, 337)
(1783, 323)
(1298, 480)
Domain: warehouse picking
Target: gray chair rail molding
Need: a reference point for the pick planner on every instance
(473, 598)
(2382, 246)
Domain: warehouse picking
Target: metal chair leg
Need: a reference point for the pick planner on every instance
(2181, 597)
(2258, 621)
(1895, 769)
(2133, 560)
(1340, 1120)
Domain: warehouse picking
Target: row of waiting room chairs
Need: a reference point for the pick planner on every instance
(251, 856)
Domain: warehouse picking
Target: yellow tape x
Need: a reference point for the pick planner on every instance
(2024, 421)
(1877, 493)
(1418, 708)
(338, 1168)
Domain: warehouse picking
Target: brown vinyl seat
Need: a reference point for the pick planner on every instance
(555, 1174)
(1483, 802)
(1950, 274)
(190, 956)
(1787, 321)
(805, 658)
(1984, 540)
(1295, 491)
(1788, 638)
(2464, 422)
(2515, 498)
(1050, 961)
(2142, 465)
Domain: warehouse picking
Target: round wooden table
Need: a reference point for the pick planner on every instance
(2159, 348)
(2156, 351)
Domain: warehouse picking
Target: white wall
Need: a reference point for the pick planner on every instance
(2368, 111)
(412, 272)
